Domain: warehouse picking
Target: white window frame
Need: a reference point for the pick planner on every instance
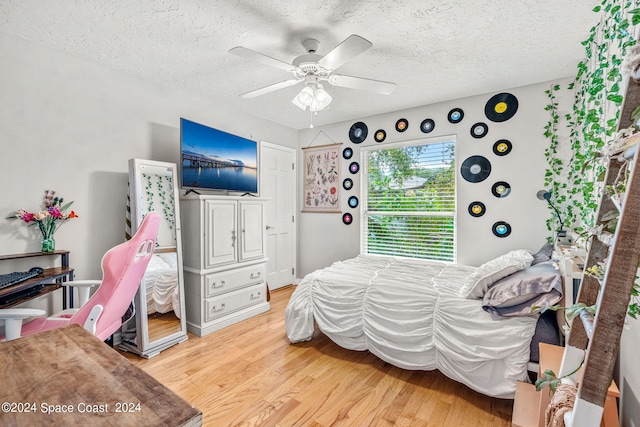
(364, 185)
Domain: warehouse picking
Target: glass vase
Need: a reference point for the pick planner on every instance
(48, 244)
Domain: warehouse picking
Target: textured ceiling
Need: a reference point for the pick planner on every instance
(433, 50)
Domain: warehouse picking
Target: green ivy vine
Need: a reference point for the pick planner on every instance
(552, 178)
(576, 181)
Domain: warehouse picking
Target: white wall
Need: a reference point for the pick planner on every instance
(628, 375)
(323, 238)
(71, 126)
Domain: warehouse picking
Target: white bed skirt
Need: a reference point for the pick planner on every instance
(409, 314)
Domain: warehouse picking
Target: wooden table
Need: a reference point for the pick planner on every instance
(67, 376)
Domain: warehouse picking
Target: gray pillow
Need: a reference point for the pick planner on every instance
(491, 271)
(544, 254)
(515, 295)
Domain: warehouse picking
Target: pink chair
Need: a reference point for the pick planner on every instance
(122, 270)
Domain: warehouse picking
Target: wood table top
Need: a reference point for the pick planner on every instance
(67, 376)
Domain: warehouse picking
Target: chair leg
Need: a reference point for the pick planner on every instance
(12, 328)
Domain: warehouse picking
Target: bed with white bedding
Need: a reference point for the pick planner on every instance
(415, 314)
(161, 284)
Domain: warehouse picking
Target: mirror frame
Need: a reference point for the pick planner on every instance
(137, 192)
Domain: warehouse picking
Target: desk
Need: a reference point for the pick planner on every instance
(571, 262)
(55, 275)
(68, 369)
(551, 358)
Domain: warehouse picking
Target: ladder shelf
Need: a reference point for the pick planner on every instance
(594, 339)
(599, 345)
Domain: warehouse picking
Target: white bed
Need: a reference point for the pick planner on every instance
(161, 284)
(410, 313)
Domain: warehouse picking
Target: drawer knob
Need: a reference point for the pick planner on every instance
(255, 275)
(253, 296)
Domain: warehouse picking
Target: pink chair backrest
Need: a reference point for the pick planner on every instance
(122, 270)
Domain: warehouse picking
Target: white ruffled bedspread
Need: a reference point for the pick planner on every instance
(409, 314)
(161, 284)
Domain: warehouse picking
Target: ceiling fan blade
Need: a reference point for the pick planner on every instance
(351, 82)
(345, 51)
(243, 52)
(270, 88)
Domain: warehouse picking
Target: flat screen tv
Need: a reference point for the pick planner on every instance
(215, 160)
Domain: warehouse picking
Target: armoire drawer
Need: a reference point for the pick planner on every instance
(229, 302)
(225, 281)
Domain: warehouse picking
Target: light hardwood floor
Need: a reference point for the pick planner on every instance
(249, 375)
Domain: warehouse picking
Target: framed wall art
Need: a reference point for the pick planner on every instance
(321, 179)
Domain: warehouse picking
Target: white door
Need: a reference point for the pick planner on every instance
(278, 186)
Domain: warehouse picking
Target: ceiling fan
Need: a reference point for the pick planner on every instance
(312, 69)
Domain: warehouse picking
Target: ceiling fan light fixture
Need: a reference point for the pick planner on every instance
(298, 104)
(304, 98)
(313, 97)
(314, 107)
(322, 98)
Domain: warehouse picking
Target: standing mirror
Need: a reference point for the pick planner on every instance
(159, 321)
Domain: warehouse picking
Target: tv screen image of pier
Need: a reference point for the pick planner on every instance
(217, 160)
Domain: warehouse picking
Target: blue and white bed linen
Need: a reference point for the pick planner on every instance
(409, 314)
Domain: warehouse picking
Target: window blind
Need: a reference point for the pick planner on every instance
(409, 201)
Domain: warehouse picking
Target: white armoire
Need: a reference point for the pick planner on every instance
(225, 266)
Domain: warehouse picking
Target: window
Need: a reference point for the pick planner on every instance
(409, 200)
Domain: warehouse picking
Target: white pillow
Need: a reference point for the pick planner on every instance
(492, 271)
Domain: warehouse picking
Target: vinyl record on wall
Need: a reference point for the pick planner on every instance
(477, 209)
(353, 202)
(502, 147)
(347, 153)
(347, 218)
(358, 132)
(479, 130)
(402, 125)
(501, 189)
(501, 229)
(475, 169)
(456, 115)
(354, 167)
(380, 135)
(501, 107)
(347, 184)
(427, 125)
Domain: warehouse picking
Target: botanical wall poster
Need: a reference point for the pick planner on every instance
(322, 178)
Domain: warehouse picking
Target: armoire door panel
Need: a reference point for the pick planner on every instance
(220, 246)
